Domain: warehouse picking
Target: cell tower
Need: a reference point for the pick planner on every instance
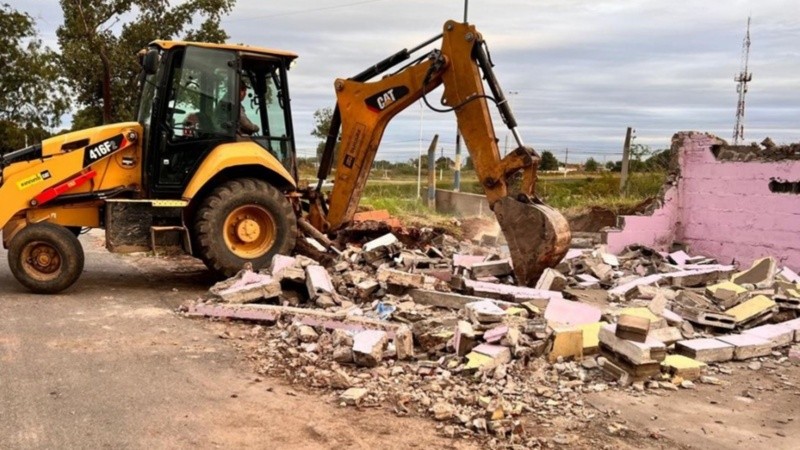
(741, 80)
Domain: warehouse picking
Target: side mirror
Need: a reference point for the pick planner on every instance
(150, 62)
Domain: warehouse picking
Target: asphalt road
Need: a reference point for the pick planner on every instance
(108, 364)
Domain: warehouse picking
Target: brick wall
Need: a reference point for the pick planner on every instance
(722, 209)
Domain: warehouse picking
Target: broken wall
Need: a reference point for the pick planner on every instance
(729, 210)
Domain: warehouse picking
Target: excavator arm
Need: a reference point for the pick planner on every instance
(537, 235)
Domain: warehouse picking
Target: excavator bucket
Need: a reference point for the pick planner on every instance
(538, 237)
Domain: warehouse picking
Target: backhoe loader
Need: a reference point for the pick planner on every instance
(182, 173)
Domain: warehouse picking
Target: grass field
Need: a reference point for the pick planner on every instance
(574, 193)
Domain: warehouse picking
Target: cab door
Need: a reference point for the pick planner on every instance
(201, 110)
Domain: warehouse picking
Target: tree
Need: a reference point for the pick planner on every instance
(591, 165)
(99, 58)
(548, 162)
(322, 123)
(614, 166)
(33, 95)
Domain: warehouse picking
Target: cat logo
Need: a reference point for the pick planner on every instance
(383, 100)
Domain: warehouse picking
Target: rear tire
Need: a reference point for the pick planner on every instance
(241, 221)
(46, 258)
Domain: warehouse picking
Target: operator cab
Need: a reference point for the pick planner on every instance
(190, 105)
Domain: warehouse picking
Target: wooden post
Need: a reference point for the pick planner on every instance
(432, 172)
(626, 154)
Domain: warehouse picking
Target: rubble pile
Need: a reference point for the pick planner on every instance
(443, 330)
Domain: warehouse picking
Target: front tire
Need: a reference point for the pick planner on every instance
(46, 258)
(241, 221)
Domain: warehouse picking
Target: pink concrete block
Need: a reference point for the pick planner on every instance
(495, 334)
(567, 312)
(490, 350)
(705, 350)
(747, 346)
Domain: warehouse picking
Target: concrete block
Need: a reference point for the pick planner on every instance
(466, 261)
(747, 346)
(779, 335)
(645, 313)
(587, 281)
(680, 257)
(684, 367)
(552, 280)
(498, 268)
(247, 287)
(484, 312)
(635, 352)
(496, 334)
(705, 350)
(368, 347)
(491, 356)
(567, 343)
(567, 312)
(318, 281)
(752, 309)
(512, 293)
(383, 241)
(464, 338)
(449, 300)
(788, 275)
(794, 325)
(632, 327)
(400, 278)
(367, 288)
(622, 292)
(404, 343)
(280, 262)
(591, 339)
(353, 396)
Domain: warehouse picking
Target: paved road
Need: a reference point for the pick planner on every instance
(109, 365)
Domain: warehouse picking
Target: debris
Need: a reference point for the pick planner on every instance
(368, 347)
(497, 268)
(705, 350)
(383, 241)
(746, 346)
(247, 286)
(318, 281)
(637, 353)
(633, 328)
(464, 338)
(484, 311)
(353, 396)
(404, 343)
(761, 273)
(567, 344)
(400, 278)
(755, 308)
(551, 280)
(681, 366)
(567, 312)
(442, 299)
(727, 294)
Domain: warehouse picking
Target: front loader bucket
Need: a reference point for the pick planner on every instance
(538, 237)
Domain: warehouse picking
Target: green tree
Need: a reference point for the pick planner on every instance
(99, 56)
(322, 123)
(548, 162)
(591, 165)
(33, 95)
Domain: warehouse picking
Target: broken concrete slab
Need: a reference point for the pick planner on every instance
(587, 281)
(567, 312)
(466, 261)
(705, 349)
(489, 357)
(698, 277)
(497, 268)
(383, 241)
(636, 352)
(683, 366)
(449, 300)
(367, 288)
(464, 340)
(368, 347)
(623, 292)
(645, 313)
(404, 343)
(496, 334)
(761, 273)
(751, 309)
(400, 278)
(512, 293)
(726, 294)
(318, 281)
(353, 396)
(788, 275)
(247, 286)
(780, 335)
(280, 262)
(484, 311)
(591, 339)
(552, 280)
(680, 257)
(747, 346)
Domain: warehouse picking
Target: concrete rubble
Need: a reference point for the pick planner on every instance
(439, 328)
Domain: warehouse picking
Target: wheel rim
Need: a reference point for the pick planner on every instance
(42, 261)
(250, 231)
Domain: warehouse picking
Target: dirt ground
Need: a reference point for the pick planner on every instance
(109, 364)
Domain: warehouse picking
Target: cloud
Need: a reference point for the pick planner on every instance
(583, 71)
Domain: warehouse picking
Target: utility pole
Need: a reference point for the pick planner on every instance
(457, 171)
(419, 156)
(441, 169)
(741, 80)
(626, 154)
(432, 172)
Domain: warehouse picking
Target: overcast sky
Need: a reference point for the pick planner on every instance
(582, 70)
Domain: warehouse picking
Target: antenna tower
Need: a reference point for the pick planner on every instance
(741, 79)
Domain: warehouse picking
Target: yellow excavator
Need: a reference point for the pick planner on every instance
(185, 174)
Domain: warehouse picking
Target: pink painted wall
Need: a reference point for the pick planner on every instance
(722, 209)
